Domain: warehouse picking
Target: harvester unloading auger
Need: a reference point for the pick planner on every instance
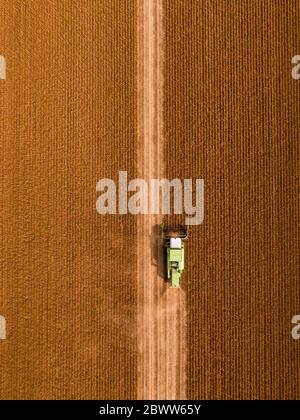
(174, 237)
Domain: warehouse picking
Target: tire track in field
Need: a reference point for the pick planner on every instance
(161, 321)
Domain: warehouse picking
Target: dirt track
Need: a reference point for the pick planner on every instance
(161, 321)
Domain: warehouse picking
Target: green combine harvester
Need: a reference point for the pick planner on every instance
(174, 237)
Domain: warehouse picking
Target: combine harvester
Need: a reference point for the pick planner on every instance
(174, 238)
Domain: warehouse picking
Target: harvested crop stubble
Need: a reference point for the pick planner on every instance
(68, 118)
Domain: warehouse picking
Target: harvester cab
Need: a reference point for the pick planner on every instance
(174, 237)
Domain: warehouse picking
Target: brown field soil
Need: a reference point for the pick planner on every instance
(232, 118)
(68, 118)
